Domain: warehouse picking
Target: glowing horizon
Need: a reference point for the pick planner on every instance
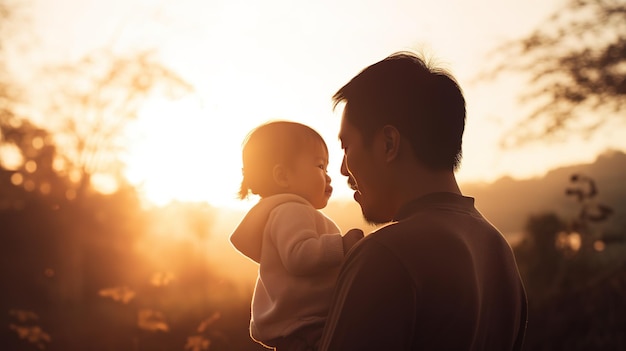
(250, 63)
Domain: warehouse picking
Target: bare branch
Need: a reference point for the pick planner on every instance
(98, 96)
(576, 63)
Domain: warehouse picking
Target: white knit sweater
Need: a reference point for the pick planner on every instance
(299, 250)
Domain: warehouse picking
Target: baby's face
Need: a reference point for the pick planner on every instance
(308, 176)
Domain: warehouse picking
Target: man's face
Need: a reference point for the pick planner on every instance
(364, 165)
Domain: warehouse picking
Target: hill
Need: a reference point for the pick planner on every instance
(508, 202)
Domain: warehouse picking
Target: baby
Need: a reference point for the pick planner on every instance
(298, 248)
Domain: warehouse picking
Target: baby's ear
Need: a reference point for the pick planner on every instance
(280, 175)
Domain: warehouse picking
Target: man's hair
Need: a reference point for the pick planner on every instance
(424, 103)
(278, 142)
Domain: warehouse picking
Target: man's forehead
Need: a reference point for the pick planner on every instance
(346, 128)
(343, 122)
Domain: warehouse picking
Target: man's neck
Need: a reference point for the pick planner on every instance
(414, 185)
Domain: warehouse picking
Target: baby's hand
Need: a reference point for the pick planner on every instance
(351, 238)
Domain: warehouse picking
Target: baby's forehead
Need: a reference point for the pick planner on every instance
(316, 148)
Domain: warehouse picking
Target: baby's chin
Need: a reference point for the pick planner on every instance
(321, 204)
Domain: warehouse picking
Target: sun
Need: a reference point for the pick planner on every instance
(180, 151)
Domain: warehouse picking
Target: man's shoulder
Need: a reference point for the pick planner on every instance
(423, 232)
(385, 239)
(418, 223)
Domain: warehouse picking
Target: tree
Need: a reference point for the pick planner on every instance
(539, 259)
(16, 134)
(577, 67)
(86, 105)
(92, 101)
(8, 91)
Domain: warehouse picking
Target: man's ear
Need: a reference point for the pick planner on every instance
(281, 177)
(391, 137)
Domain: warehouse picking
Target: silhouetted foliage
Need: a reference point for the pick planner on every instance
(576, 62)
(93, 100)
(7, 93)
(590, 211)
(509, 202)
(36, 170)
(80, 270)
(538, 255)
(575, 279)
(105, 274)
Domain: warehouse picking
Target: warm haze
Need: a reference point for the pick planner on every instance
(98, 271)
(251, 62)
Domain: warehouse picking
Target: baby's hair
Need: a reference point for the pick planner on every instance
(269, 144)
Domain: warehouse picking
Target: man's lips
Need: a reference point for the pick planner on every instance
(352, 184)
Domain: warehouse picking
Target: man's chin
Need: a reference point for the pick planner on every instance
(370, 217)
(374, 221)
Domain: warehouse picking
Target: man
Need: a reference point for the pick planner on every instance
(439, 276)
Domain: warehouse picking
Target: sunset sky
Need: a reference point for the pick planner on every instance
(253, 61)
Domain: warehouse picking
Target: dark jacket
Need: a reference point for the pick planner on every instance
(440, 278)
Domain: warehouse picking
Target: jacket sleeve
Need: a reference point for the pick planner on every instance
(247, 238)
(302, 245)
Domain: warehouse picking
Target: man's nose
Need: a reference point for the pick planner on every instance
(344, 168)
